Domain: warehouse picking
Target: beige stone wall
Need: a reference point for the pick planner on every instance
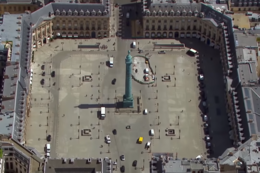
(17, 8)
(71, 27)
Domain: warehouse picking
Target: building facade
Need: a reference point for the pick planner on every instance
(244, 5)
(71, 21)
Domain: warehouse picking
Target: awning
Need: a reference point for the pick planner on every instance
(227, 42)
(182, 35)
(202, 39)
(69, 35)
(229, 119)
(240, 129)
(230, 67)
(239, 119)
(187, 35)
(158, 34)
(58, 34)
(164, 34)
(63, 35)
(230, 63)
(76, 35)
(198, 35)
(170, 34)
(212, 44)
(194, 35)
(153, 34)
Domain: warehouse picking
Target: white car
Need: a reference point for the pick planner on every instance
(205, 118)
(108, 140)
(201, 77)
(148, 144)
(145, 111)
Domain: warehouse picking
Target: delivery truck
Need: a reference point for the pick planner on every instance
(103, 113)
(111, 61)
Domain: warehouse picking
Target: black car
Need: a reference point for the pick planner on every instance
(122, 168)
(43, 67)
(42, 81)
(114, 132)
(53, 74)
(113, 81)
(206, 131)
(206, 125)
(205, 109)
(202, 85)
(200, 71)
(134, 162)
(48, 138)
(43, 73)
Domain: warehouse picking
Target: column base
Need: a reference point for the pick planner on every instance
(128, 102)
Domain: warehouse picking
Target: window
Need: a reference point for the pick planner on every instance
(165, 21)
(147, 21)
(159, 21)
(153, 21)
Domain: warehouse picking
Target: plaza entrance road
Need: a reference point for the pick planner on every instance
(72, 106)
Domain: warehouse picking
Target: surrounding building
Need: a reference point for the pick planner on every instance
(18, 6)
(18, 158)
(244, 5)
(99, 165)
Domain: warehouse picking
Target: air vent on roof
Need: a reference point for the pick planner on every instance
(99, 160)
(89, 160)
(64, 160)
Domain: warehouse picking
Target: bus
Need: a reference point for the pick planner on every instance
(192, 52)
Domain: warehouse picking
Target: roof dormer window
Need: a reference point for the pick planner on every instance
(154, 13)
(87, 13)
(93, 13)
(184, 13)
(178, 13)
(160, 13)
(81, 13)
(57, 12)
(69, 12)
(76, 13)
(190, 13)
(99, 13)
(105, 12)
(64, 13)
(171, 13)
(166, 13)
(147, 12)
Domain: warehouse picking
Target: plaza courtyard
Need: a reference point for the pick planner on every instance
(65, 105)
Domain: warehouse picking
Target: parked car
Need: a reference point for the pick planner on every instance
(145, 111)
(162, 52)
(53, 74)
(48, 138)
(114, 132)
(208, 144)
(122, 168)
(206, 131)
(207, 138)
(202, 85)
(108, 140)
(122, 157)
(43, 67)
(206, 125)
(205, 118)
(134, 162)
(113, 81)
(42, 82)
(148, 144)
(205, 109)
(43, 73)
(201, 77)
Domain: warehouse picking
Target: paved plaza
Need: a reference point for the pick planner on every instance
(65, 105)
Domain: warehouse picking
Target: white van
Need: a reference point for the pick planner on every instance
(134, 44)
(48, 148)
(192, 52)
(152, 132)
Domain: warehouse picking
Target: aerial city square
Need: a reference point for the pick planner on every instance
(154, 86)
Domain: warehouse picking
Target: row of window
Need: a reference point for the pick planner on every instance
(166, 21)
(81, 13)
